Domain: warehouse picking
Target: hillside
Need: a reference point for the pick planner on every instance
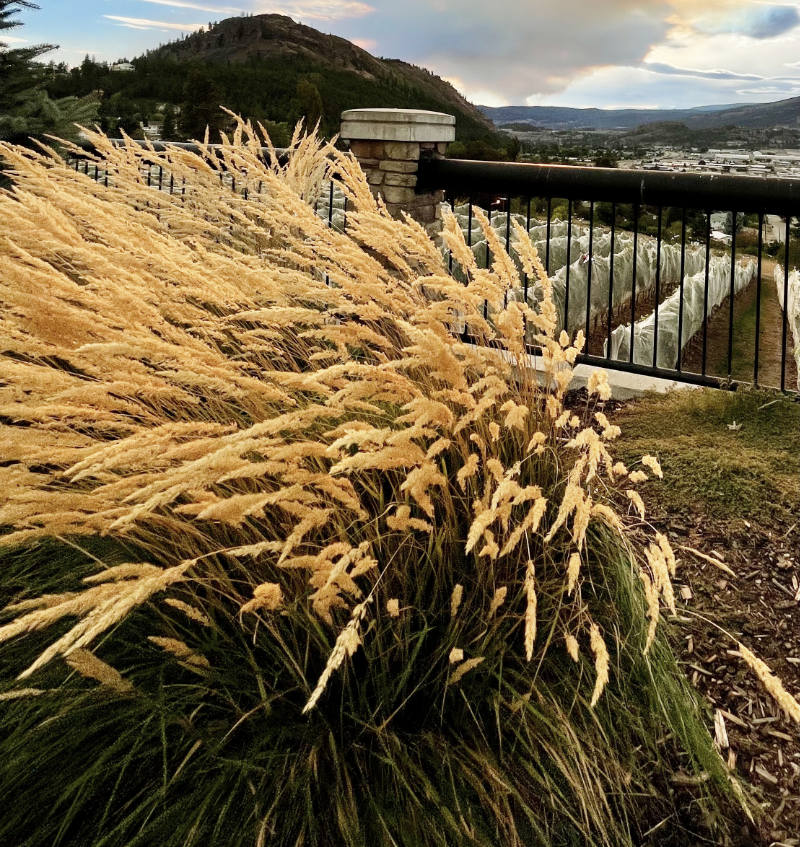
(268, 67)
(755, 115)
(778, 113)
(563, 117)
(269, 38)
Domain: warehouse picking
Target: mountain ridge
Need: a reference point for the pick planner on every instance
(754, 115)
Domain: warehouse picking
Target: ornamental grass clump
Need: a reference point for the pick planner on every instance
(285, 560)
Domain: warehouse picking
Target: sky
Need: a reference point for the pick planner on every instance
(581, 53)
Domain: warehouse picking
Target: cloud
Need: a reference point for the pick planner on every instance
(311, 10)
(11, 39)
(759, 22)
(661, 68)
(620, 87)
(592, 52)
(513, 47)
(199, 7)
(145, 23)
(640, 87)
(773, 20)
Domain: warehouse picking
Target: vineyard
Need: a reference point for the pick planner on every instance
(604, 280)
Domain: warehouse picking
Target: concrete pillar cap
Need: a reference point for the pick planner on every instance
(411, 125)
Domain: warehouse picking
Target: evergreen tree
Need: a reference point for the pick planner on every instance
(308, 103)
(25, 108)
(201, 106)
(168, 129)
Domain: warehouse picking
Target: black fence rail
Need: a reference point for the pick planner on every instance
(676, 275)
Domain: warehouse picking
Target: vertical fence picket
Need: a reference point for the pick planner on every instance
(569, 262)
(732, 293)
(633, 278)
(758, 297)
(657, 299)
(785, 313)
(612, 247)
(705, 294)
(589, 275)
(678, 365)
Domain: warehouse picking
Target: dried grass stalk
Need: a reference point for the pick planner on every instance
(240, 378)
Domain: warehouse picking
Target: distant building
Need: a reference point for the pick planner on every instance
(122, 66)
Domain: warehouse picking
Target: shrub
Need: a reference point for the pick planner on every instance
(347, 578)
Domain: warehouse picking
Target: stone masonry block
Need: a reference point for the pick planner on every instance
(375, 177)
(367, 149)
(425, 214)
(395, 209)
(396, 194)
(406, 180)
(407, 150)
(404, 125)
(367, 164)
(399, 167)
(441, 147)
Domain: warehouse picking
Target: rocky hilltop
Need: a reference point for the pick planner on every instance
(268, 39)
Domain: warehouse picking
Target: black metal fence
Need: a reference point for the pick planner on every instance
(636, 259)
(639, 265)
(332, 204)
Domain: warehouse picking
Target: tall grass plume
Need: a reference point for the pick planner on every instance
(289, 493)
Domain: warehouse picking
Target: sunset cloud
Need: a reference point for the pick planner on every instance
(199, 7)
(145, 23)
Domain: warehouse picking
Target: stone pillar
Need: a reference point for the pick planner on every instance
(389, 144)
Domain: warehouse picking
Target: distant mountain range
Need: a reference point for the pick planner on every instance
(754, 115)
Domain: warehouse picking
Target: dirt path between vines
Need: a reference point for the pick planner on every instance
(744, 334)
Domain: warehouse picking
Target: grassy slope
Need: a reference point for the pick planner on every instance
(732, 473)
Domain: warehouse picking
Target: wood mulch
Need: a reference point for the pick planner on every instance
(759, 606)
(739, 582)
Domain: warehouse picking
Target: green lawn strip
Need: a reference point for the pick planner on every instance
(736, 455)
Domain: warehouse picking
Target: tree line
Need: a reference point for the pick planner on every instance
(186, 96)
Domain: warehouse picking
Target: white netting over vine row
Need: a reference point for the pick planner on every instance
(669, 346)
(575, 256)
(791, 308)
(648, 264)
